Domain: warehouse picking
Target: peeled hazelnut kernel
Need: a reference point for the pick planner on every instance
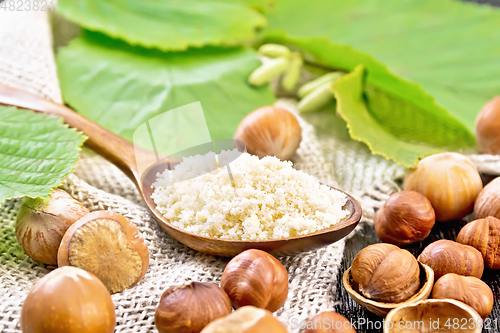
(329, 322)
(107, 245)
(68, 300)
(188, 308)
(487, 125)
(255, 277)
(450, 181)
(270, 131)
(488, 201)
(247, 319)
(467, 289)
(386, 273)
(40, 226)
(406, 217)
(445, 256)
(484, 236)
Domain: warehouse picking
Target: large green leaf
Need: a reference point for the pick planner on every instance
(121, 87)
(168, 24)
(363, 108)
(400, 107)
(36, 152)
(450, 48)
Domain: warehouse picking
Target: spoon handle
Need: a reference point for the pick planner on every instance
(117, 150)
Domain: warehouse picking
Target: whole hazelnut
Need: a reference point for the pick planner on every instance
(40, 226)
(483, 235)
(386, 273)
(406, 217)
(270, 131)
(109, 246)
(188, 308)
(449, 180)
(487, 125)
(247, 319)
(329, 322)
(467, 289)
(68, 300)
(445, 256)
(255, 277)
(488, 201)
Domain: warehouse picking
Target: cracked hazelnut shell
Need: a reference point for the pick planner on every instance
(188, 308)
(68, 300)
(386, 273)
(446, 256)
(484, 236)
(406, 217)
(467, 289)
(255, 277)
(450, 181)
(109, 246)
(40, 226)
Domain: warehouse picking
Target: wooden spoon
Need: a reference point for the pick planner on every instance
(124, 154)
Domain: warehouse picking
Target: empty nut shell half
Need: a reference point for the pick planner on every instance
(107, 245)
(483, 235)
(446, 256)
(467, 289)
(255, 277)
(190, 307)
(433, 315)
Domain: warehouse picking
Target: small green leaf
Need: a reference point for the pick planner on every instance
(363, 110)
(36, 152)
(121, 87)
(169, 24)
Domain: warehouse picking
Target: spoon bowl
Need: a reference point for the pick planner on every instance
(130, 159)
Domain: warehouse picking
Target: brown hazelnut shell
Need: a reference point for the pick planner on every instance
(446, 256)
(386, 273)
(329, 322)
(436, 312)
(40, 226)
(270, 131)
(109, 246)
(484, 236)
(467, 289)
(247, 319)
(488, 201)
(68, 300)
(188, 308)
(450, 181)
(256, 278)
(406, 217)
(487, 127)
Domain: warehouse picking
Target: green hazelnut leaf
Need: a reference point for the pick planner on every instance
(36, 152)
(169, 24)
(122, 87)
(362, 107)
(450, 48)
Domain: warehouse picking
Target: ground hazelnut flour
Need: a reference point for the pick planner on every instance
(268, 200)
